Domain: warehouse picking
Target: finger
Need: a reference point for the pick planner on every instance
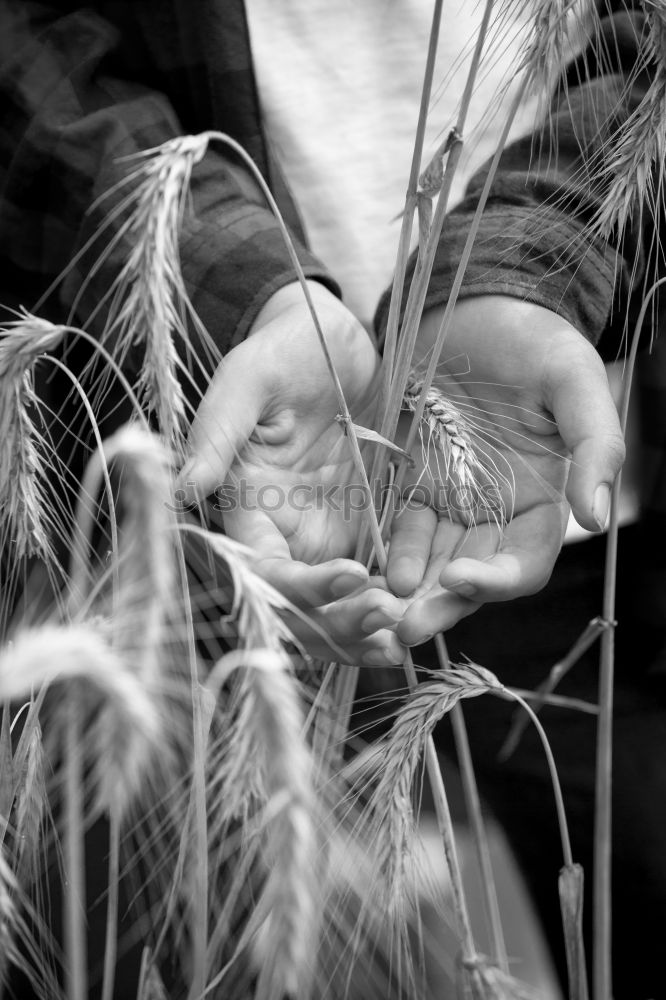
(436, 612)
(522, 564)
(256, 529)
(449, 535)
(589, 425)
(313, 586)
(318, 637)
(446, 541)
(224, 422)
(304, 585)
(361, 625)
(364, 613)
(412, 534)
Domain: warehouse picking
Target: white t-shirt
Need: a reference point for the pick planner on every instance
(340, 85)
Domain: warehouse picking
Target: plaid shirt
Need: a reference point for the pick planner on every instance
(81, 86)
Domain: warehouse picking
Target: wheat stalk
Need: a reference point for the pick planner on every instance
(602, 957)
(395, 379)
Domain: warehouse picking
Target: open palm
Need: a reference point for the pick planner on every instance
(268, 450)
(535, 396)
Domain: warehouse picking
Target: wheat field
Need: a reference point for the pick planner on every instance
(256, 845)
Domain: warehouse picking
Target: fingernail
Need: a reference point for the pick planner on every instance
(378, 619)
(601, 505)
(378, 658)
(462, 587)
(419, 640)
(346, 583)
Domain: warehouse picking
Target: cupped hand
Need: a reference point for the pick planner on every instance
(268, 452)
(535, 397)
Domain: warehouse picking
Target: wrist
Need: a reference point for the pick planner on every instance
(491, 317)
(290, 296)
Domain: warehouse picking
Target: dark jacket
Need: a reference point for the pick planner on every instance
(81, 86)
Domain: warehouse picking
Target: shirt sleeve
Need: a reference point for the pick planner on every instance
(535, 241)
(71, 114)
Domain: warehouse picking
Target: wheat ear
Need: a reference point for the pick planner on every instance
(254, 611)
(23, 454)
(261, 777)
(128, 727)
(391, 801)
(149, 293)
(265, 757)
(146, 554)
(8, 917)
(31, 807)
(556, 27)
(151, 986)
(287, 911)
(641, 145)
(476, 484)
(494, 984)
(7, 776)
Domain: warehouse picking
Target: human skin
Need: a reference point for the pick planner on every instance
(269, 417)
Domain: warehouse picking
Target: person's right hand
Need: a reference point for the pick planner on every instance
(266, 439)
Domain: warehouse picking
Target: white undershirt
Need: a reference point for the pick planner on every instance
(340, 84)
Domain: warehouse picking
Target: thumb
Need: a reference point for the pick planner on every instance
(589, 425)
(227, 416)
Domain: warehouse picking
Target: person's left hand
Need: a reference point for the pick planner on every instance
(536, 397)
